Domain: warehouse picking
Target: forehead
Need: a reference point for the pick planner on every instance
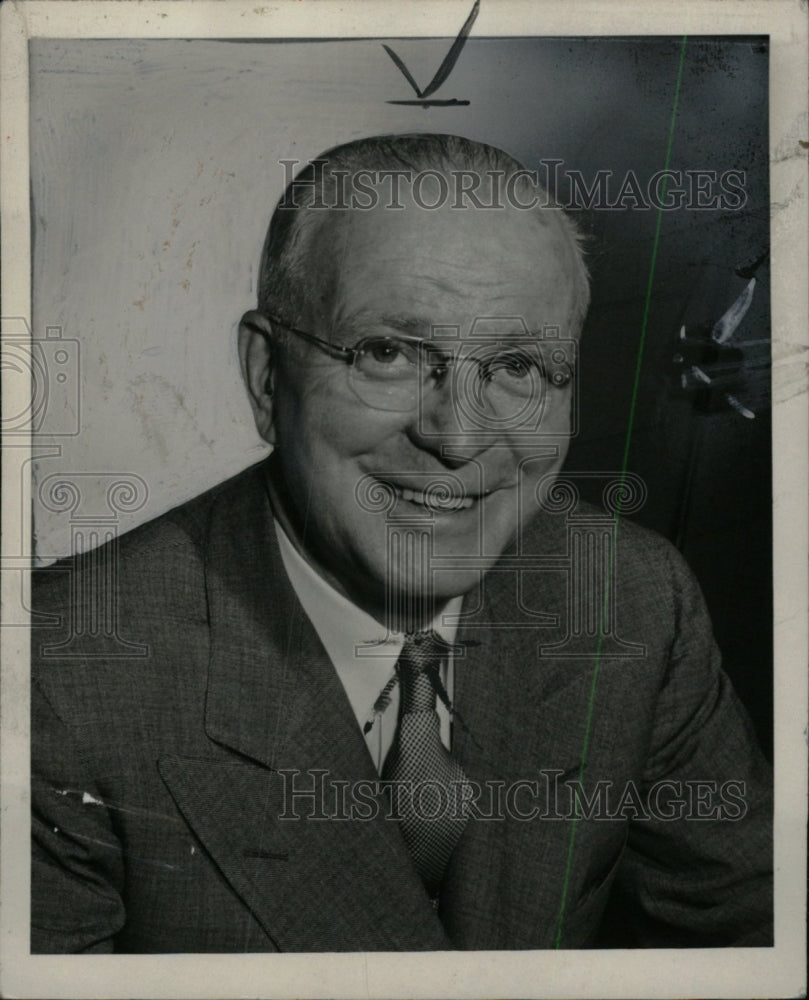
(451, 265)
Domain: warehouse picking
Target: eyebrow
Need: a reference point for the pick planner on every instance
(410, 324)
(363, 320)
(427, 328)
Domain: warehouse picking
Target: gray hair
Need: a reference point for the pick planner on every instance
(283, 274)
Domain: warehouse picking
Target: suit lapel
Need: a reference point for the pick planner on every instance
(275, 702)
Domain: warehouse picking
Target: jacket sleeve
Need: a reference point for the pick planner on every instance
(698, 871)
(77, 866)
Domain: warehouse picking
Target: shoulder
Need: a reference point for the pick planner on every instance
(597, 557)
(159, 560)
(633, 549)
(129, 621)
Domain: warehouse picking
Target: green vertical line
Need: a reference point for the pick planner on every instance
(624, 466)
(653, 264)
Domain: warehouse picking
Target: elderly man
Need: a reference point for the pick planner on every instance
(366, 715)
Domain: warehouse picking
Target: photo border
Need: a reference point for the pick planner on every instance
(738, 972)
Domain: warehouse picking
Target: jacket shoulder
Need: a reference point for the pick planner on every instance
(129, 622)
(647, 580)
(550, 531)
(157, 567)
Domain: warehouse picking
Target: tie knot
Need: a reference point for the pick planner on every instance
(423, 650)
(418, 669)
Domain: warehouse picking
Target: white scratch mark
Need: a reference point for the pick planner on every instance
(88, 799)
(120, 850)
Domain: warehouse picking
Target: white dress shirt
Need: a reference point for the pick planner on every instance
(363, 652)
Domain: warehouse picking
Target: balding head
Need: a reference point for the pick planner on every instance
(404, 173)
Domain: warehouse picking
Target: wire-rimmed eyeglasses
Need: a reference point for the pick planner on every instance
(393, 372)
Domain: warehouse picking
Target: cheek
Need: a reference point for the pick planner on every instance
(557, 411)
(326, 434)
(538, 468)
(555, 430)
(307, 415)
(548, 447)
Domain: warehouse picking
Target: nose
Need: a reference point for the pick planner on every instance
(450, 425)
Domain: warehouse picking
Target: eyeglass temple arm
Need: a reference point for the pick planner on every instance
(346, 354)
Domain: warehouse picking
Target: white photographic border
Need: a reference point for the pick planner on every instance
(770, 972)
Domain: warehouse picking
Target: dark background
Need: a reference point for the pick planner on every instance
(707, 468)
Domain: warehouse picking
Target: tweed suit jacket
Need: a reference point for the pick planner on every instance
(171, 759)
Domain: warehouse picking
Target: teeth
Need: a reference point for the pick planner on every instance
(418, 496)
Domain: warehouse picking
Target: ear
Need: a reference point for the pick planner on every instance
(256, 357)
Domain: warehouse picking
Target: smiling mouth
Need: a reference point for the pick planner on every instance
(437, 498)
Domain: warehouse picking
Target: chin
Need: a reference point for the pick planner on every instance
(445, 585)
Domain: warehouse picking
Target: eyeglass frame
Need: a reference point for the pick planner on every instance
(349, 354)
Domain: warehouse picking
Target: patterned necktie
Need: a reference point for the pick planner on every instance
(428, 789)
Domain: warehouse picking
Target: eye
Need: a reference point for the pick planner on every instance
(388, 358)
(386, 352)
(516, 365)
(510, 365)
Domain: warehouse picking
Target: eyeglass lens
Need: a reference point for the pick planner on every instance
(391, 373)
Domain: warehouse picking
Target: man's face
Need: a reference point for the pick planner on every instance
(386, 272)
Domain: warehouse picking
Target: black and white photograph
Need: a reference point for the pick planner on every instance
(404, 510)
